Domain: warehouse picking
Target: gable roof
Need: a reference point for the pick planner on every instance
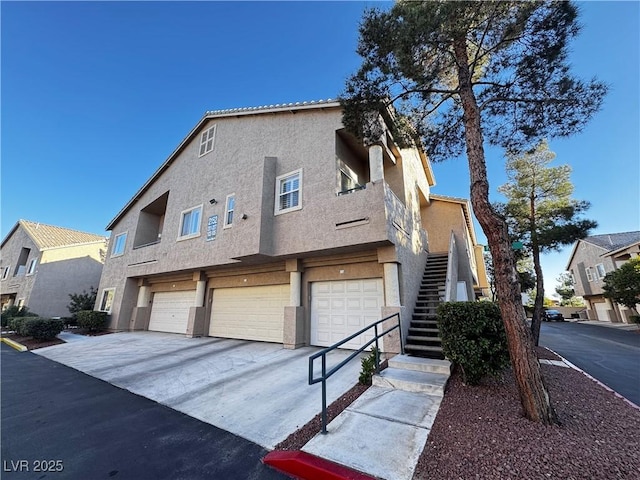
(209, 115)
(49, 236)
(608, 242)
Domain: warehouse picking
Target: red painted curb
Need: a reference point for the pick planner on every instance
(305, 466)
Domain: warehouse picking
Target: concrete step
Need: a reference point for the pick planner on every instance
(411, 381)
(422, 339)
(430, 365)
(423, 331)
(423, 348)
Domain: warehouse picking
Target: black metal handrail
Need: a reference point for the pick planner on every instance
(323, 354)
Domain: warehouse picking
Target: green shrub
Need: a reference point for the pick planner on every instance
(473, 337)
(634, 318)
(42, 328)
(368, 367)
(92, 320)
(19, 325)
(12, 312)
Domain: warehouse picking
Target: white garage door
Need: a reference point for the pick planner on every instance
(340, 308)
(170, 311)
(249, 313)
(602, 311)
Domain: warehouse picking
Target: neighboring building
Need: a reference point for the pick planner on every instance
(591, 259)
(41, 265)
(274, 224)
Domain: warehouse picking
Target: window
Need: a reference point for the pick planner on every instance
(32, 267)
(118, 244)
(600, 270)
(107, 299)
(288, 192)
(151, 222)
(589, 272)
(21, 267)
(20, 303)
(228, 215)
(5, 272)
(573, 277)
(206, 140)
(190, 223)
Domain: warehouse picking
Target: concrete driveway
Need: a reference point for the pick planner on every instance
(256, 390)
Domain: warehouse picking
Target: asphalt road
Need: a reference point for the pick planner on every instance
(58, 423)
(610, 355)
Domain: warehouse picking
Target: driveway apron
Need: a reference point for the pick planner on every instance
(256, 390)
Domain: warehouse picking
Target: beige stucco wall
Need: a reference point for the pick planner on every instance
(59, 272)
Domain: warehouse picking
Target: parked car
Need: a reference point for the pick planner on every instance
(552, 316)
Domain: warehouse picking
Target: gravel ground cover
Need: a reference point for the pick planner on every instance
(481, 433)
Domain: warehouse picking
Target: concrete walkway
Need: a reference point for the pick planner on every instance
(620, 326)
(256, 390)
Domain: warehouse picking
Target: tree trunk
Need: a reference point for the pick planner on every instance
(538, 305)
(533, 393)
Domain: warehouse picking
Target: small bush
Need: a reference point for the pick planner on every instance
(634, 318)
(368, 367)
(42, 328)
(19, 325)
(92, 320)
(473, 337)
(12, 312)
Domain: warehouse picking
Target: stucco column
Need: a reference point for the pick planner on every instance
(144, 296)
(200, 291)
(376, 168)
(295, 280)
(391, 285)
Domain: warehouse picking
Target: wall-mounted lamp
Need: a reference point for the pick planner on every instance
(244, 216)
(213, 201)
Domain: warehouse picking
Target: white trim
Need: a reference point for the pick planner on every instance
(106, 291)
(589, 272)
(115, 244)
(5, 272)
(207, 140)
(279, 181)
(20, 303)
(227, 210)
(196, 232)
(599, 274)
(31, 269)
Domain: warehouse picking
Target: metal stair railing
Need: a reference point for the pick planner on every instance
(323, 353)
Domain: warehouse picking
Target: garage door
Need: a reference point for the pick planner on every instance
(170, 311)
(340, 308)
(602, 311)
(249, 313)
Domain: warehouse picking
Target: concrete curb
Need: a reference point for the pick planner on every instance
(12, 344)
(305, 466)
(571, 365)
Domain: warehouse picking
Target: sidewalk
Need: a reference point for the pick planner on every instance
(620, 326)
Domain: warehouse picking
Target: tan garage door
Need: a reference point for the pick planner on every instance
(170, 311)
(602, 312)
(249, 313)
(340, 308)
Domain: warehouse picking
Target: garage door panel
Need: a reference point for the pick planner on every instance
(170, 311)
(249, 313)
(348, 310)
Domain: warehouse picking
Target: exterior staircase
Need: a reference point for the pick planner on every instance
(413, 374)
(424, 338)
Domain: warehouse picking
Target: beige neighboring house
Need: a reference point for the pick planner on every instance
(591, 259)
(275, 224)
(40, 265)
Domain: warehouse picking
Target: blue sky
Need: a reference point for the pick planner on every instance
(95, 96)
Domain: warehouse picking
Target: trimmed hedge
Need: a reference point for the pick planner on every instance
(42, 328)
(92, 320)
(473, 337)
(12, 312)
(19, 324)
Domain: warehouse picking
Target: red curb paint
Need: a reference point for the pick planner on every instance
(305, 466)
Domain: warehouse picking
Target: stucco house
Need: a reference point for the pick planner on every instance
(275, 224)
(40, 265)
(591, 259)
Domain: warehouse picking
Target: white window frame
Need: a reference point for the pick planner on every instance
(193, 232)
(279, 182)
(207, 139)
(31, 269)
(20, 303)
(589, 272)
(598, 268)
(5, 272)
(229, 208)
(106, 300)
(118, 247)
